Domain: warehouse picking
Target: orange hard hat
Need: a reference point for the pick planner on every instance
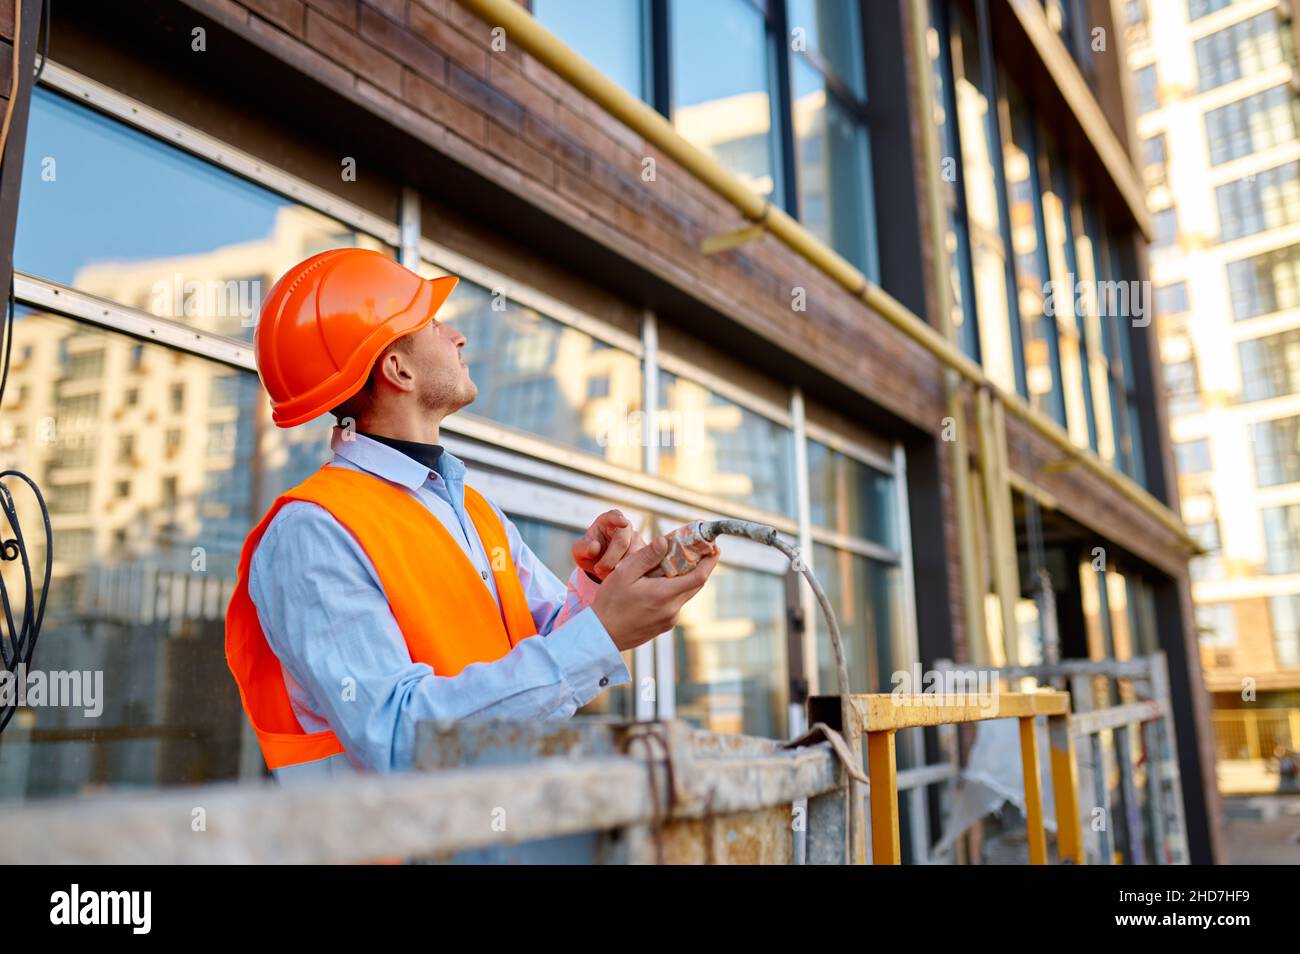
(326, 321)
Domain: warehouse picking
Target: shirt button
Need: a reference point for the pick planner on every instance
(604, 681)
(483, 573)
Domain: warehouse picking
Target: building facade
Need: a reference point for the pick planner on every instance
(178, 156)
(1216, 97)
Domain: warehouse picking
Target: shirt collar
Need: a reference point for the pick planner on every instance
(426, 454)
(388, 462)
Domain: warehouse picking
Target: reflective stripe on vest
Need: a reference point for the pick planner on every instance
(445, 612)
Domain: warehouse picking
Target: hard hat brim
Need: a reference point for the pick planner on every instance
(351, 378)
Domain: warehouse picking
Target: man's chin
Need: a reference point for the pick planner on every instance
(466, 397)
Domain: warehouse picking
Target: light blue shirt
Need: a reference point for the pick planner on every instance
(345, 662)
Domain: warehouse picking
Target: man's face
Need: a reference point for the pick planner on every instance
(442, 383)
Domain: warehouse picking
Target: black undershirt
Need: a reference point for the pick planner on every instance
(426, 454)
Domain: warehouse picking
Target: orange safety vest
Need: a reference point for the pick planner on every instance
(447, 616)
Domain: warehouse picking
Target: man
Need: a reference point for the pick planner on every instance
(383, 590)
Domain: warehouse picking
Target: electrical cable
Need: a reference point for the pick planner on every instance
(18, 640)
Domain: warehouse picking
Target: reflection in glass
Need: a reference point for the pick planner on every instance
(865, 596)
(1038, 334)
(611, 35)
(848, 497)
(1060, 257)
(714, 445)
(723, 77)
(731, 654)
(1102, 436)
(988, 254)
(539, 375)
(957, 237)
(553, 546)
(115, 213)
(832, 31)
(156, 464)
(833, 169)
(1115, 322)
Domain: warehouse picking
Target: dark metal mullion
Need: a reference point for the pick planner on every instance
(851, 101)
(661, 90)
(989, 70)
(779, 26)
(965, 267)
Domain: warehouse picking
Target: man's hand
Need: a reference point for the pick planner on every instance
(606, 542)
(635, 608)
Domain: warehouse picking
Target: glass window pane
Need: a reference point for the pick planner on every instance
(714, 445)
(1182, 387)
(1088, 252)
(957, 239)
(988, 254)
(1216, 624)
(1252, 124)
(1246, 47)
(1267, 199)
(150, 502)
(1276, 446)
(1270, 365)
(1146, 88)
(834, 165)
(1266, 283)
(1199, 8)
(1285, 613)
(832, 30)
(113, 212)
(1038, 333)
(730, 655)
(540, 375)
(1192, 457)
(865, 596)
(722, 87)
(849, 497)
(1062, 267)
(610, 34)
(1282, 538)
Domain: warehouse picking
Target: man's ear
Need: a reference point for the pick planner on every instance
(394, 369)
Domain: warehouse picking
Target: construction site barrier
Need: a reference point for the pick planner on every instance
(879, 716)
(1141, 688)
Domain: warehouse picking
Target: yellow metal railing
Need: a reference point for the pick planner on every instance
(1255, 733)
(879, 716)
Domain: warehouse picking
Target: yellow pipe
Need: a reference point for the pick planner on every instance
(521, 29)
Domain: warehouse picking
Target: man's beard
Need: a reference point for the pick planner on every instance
(448, 397)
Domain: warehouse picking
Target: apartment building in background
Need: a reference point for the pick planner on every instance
(1218, 114)
(204, 145)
